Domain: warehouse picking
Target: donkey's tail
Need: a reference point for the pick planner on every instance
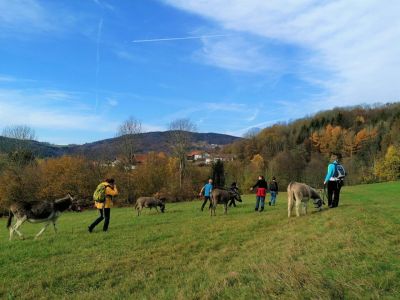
(10, 216)
(290, 193)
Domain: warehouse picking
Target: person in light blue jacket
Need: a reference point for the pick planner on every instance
(207, 189)
(333, 183)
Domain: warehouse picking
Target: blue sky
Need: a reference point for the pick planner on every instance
(72, 71)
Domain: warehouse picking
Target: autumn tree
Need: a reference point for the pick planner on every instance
(67, 174)
(257, 165)
(388, 168)
(21, 154)
(19, 132)
(235, 171)
(180, 139)
(128, 132)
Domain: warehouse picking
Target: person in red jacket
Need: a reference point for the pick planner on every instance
(262, 188)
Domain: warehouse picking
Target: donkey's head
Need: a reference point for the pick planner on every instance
(234, 193)
(317, 199)
(68, 202)
(161, 204)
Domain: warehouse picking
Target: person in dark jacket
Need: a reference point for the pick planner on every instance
(233, 188)
(273, 189)
(262, 188)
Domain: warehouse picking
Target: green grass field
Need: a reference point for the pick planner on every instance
(351, 252)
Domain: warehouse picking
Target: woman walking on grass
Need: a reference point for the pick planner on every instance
(104, 208)
(262, 188)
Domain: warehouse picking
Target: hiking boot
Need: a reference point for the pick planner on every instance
(256, 209)
(269, 203)
(262, 208)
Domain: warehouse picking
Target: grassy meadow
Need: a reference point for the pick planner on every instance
(351, 252)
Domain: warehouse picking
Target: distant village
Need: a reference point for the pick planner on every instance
(198, 157)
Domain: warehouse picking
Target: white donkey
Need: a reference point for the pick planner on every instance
(300, 194)
(38, 212)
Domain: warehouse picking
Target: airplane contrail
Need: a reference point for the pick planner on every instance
(179, 38)
(98, 57)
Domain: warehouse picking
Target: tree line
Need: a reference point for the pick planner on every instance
(367, 137)
(25, 177)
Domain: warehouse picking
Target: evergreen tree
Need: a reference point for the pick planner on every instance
(218, 174)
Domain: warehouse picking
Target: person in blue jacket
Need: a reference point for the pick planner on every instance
(207, 189)
(333, 183)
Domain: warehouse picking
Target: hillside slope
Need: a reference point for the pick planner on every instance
(108, 149)
(351, 252)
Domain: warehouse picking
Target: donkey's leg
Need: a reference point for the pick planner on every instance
(42, 230)
(11, 233)
(290, 204)
(54, 226)
(298, 208)
(305, 207)
(226, 208)
(298, 204)
(18, 224)
(11, 230)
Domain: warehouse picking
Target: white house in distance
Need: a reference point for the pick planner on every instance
(197, 155)
(217, 157)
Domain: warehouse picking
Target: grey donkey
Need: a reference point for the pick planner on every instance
(222, 196)
(39, 212)
(299, 194)
(149, 202)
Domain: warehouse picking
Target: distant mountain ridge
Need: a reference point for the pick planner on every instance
(109, 148)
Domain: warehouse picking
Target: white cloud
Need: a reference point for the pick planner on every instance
(104, 4)
(150, 128)
(25, 13)
(243, 130)
(233, 53)
(22, 19)
(30, 16)
(355, 42)
(6, 78)
(49, 109)
(112, 101)
(224, 106)
(67, 112)
(129, 56)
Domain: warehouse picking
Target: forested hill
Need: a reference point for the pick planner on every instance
(109, 148)
(368, 137)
